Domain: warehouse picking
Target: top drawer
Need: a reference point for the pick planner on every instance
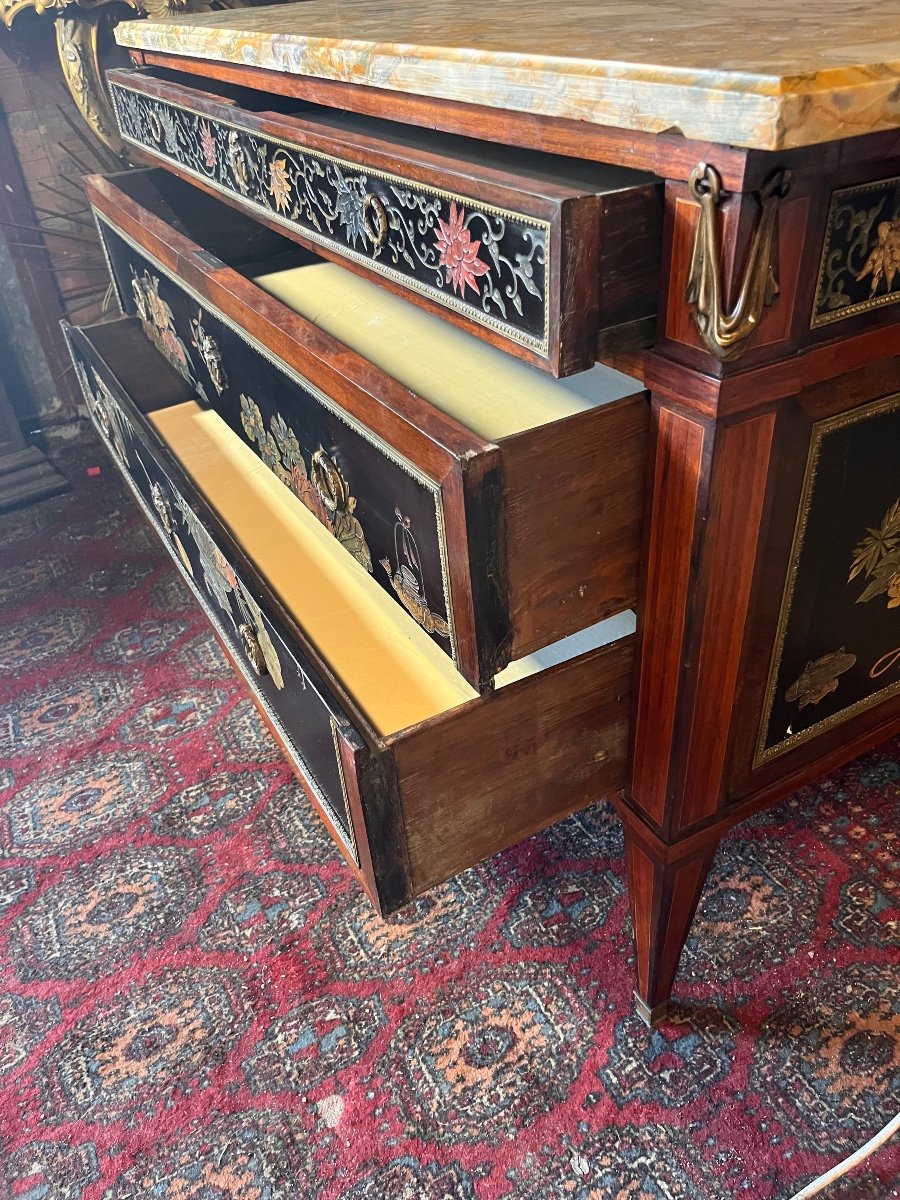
(552, 259)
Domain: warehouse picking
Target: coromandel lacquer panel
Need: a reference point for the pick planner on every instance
(837, 650)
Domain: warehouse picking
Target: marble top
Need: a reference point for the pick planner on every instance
(771, 74)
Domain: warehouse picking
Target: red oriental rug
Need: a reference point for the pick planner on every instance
(197, 1002)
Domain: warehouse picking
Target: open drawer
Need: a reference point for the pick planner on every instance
(416, 776)
(499, 508)
(553, 259)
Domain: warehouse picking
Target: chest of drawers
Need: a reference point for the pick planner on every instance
(518, 415)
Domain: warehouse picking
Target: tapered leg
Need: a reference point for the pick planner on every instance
(664, 896)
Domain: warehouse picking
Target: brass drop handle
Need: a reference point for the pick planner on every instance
(252, 649)
(163, 508)
(329, 482)
(376, 225)
(103, 418)
(725, 334)
(156, 129)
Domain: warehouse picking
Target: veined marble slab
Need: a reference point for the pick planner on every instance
(771, 74)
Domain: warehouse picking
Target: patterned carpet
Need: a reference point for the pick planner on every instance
(198, 1004)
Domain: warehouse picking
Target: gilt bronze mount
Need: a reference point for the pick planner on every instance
(725, 334)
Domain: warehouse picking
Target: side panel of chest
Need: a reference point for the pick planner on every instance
(837, 650)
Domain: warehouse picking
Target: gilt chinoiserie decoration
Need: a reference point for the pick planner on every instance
(406, 578)
(860, 267)
(837, 650)
(487, 263)
(350, 481)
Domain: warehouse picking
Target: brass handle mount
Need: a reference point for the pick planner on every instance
(723, 333)
(374, 219)
(252, 649)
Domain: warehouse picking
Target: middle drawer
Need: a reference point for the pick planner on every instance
(503, 514)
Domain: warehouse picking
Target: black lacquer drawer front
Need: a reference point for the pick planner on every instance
(859, 269)
(367, 495)
(291, 693)
(515, 253)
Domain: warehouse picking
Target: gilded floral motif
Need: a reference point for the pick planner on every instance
(884, 261)
(348, 203)
(208, 146)
(237, 160)
(458, 253)
(209, 352)
(158, 321)
(268, 451)
(877, 556)
(251, 418)
(287, 442)
(325, 494)
(280, 183)
(407, 580)
(169, 129)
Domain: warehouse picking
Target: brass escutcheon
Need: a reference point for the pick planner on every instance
(156, 129)
(329, 482)
(377, 230)
(252, 649)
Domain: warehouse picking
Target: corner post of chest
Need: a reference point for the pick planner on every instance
(711, 450)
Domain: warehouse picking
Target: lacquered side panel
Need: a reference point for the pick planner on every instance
(309, 722)
(383, 509)
(837, 649)
(860, 265)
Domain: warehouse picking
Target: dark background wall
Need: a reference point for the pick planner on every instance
(50, 265)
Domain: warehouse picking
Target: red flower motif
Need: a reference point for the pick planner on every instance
(458, 253)
(208, 144)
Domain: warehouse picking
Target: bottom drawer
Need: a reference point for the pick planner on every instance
(417, 776)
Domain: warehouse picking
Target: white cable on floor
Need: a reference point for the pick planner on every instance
(817, 1185)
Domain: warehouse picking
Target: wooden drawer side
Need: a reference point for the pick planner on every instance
(574, 510)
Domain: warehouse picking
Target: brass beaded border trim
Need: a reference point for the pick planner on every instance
(821, 430)
(285, 369)
(817, 320)
(335, 734)
(540, 345)
(347, 836)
